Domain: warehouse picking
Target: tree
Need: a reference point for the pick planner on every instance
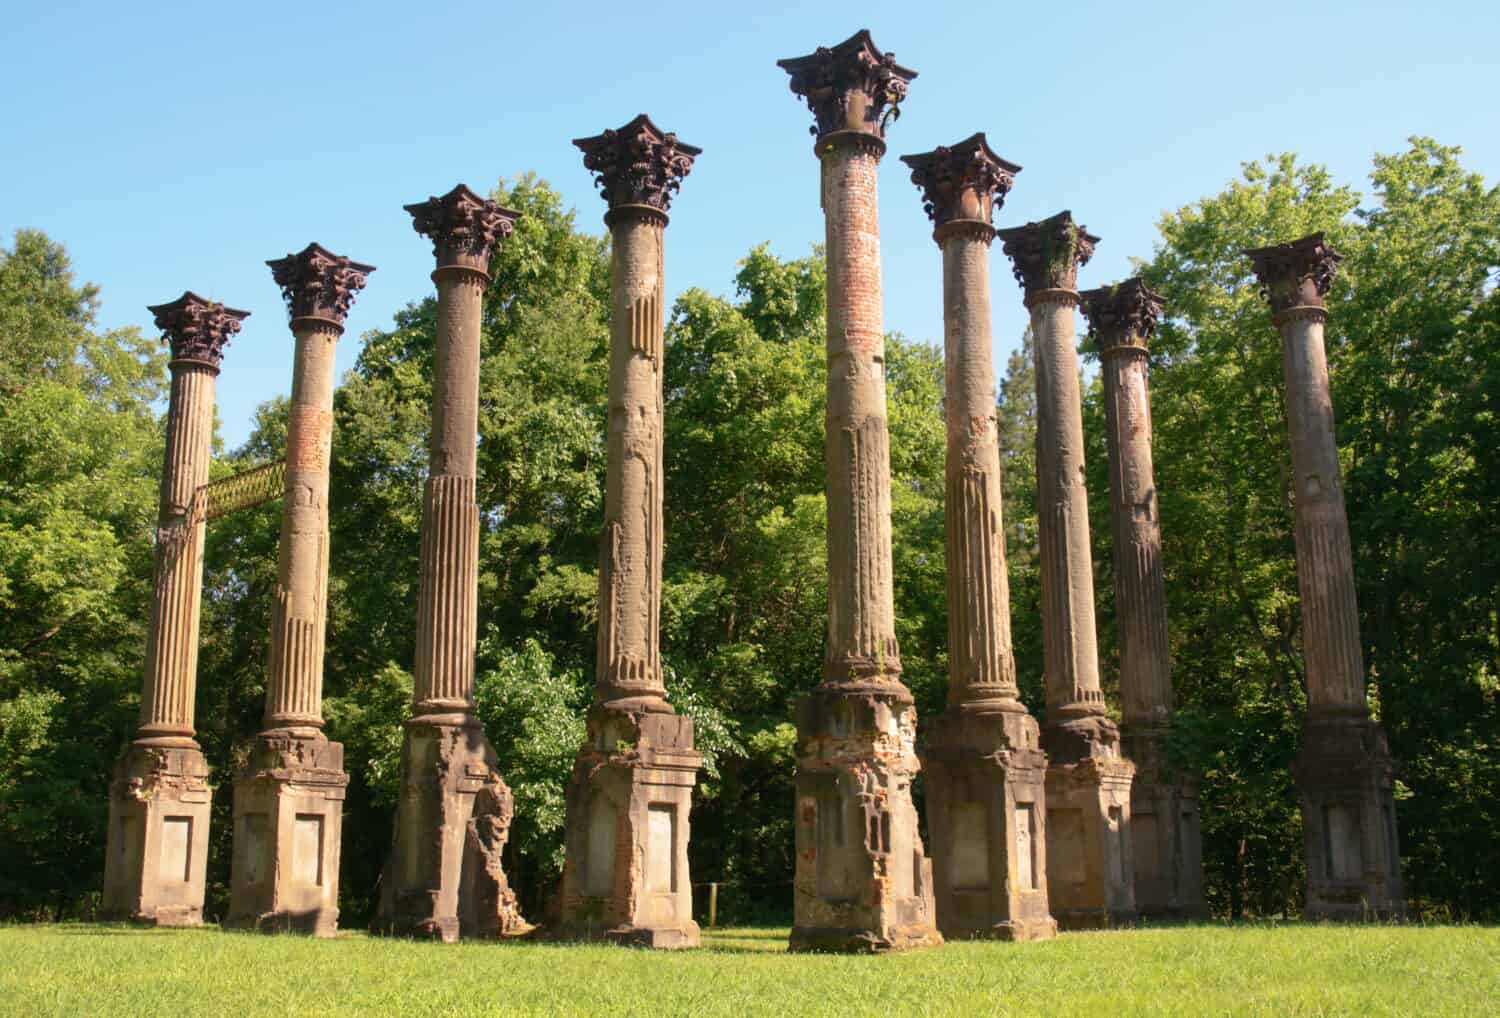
(79, 445)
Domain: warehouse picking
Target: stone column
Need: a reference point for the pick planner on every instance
(863, 881)
(159, 800)
(1166, 839)
(986, 791)
(289, 797)
(626, 874)
(1344, 770)
(445, 878)
(1088, 782)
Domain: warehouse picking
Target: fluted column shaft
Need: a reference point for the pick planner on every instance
(1325, 560)
(861, 598)
(981, 664)
(629, 663)
(294, 688)
(1070, 643)
(1140, 587)
(172, 635)
(448, 604)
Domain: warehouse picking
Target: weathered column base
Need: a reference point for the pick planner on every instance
(986, 809)
(1166, 835)
(626, 876)
(1090, 876)
(863, 882)
(157, 856)
(1345, 776)
(444, 878)
(288, 822)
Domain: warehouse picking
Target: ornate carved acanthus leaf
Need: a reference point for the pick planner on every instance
(197, 329)
(1046, 255)
(638, 164)
(850, 87)
(1122, 315)
(463, 226)
(1297, 273)
(964, 181)
(316, 283)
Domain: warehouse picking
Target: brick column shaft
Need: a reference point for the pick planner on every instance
(981, 664)
(1325, 559)
(629, 663)
(448, 604)
(294, 685)
(172, 633)
(861, 597)
(1069, 637)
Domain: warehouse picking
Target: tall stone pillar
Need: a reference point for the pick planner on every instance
(1089, 870)
(986, 788)
(444, 878)
(289, 796)
(1344, 770)
(626, 874)
(863, 881)
(1166, 839)
(159, 800)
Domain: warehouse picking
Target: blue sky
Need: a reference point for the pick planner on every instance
(176, 147)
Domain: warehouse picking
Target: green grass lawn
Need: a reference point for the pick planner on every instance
(1290, 969)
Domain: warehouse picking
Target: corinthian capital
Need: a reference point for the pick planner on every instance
(638, 164)
(1046, 255)
(851, 87)
(197, 329)
(463, 226)
(1122, 316)
(316, 283)
(964, 181)
(1297, 273)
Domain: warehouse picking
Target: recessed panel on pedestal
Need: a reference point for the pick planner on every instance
(970, 852)
(307, 849)
(176, 848)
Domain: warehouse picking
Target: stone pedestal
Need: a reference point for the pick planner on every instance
(987, 813)
(157, 852)
(626, 875)
(1344, 769)
(986, 796)
(288, 818)
(626, 878)
(863, 881)
(1166, 838)
(445, 878)
(158, 836)
(1089, 865)
(1089, 871)
(288, 796)
(1346, 780)
(1166, 833)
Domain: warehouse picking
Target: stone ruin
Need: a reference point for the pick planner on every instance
(1076, 823)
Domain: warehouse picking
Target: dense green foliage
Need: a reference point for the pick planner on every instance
(1414, 346)
(1267, 969)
